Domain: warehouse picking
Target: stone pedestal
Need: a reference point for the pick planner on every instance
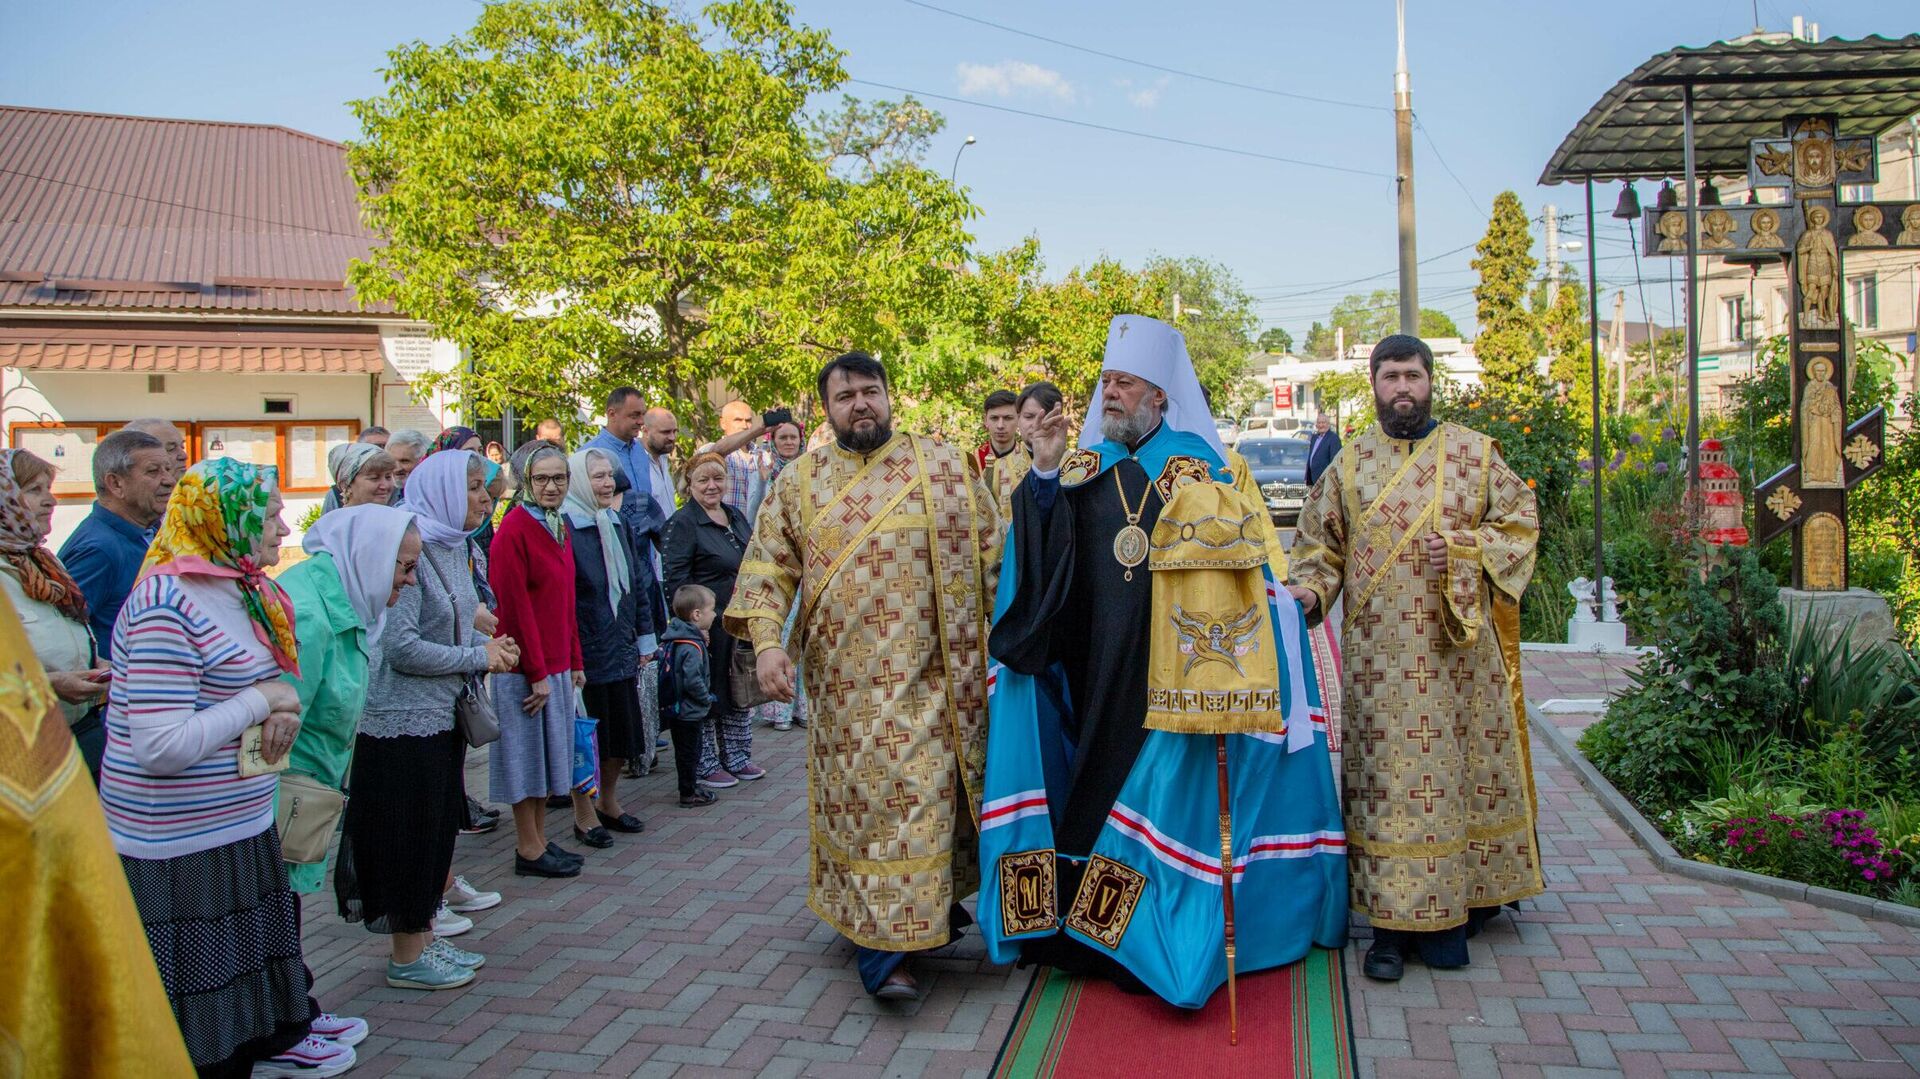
(1597, 636)
(1861, 611)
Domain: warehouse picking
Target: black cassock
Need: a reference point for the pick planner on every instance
(1074, 607)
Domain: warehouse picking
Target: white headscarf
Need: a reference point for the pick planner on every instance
(1148, 348)
(346, 460)
(585, 512)
(437, 494)
(364, 542)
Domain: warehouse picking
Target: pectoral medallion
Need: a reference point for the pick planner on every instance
(1130, 548)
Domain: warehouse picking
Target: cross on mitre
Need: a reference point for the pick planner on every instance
(1811, 233)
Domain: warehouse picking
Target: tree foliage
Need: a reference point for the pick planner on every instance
(1505, 346)
(584, 193)
(1275, 339)
(1564, 330)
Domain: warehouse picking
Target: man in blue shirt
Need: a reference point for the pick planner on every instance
(626, 409)
(132, 479)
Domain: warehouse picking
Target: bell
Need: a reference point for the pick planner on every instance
(1709, 194)
(1628, 208)
(1668, 198)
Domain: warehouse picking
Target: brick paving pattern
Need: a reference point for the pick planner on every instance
(689, 952)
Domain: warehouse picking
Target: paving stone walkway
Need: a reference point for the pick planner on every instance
(689, 952)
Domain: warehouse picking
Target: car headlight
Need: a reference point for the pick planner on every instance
(1273, 490)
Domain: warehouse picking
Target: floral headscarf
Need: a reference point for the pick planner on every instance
(453, 438)
(215, 520)
(42, 577)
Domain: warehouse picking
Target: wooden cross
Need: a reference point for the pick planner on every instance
(1811, 234)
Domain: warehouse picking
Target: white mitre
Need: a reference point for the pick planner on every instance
(1149, 348)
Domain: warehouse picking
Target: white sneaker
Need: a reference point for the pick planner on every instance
(339, 1029)
(448, 924)
(464, 898)
(314, 1058)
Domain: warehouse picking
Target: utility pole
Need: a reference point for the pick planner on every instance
(1553, 252)
(1403, 156)
(1619, 349)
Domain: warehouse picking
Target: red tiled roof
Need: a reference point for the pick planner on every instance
(156, 347)
(100, 211)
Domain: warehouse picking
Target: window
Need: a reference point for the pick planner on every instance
(1863, 301)
(1782, 311)
(297, 447)
(1733, 318)
(1856, 192)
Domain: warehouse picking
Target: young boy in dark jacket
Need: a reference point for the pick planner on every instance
(692, 688)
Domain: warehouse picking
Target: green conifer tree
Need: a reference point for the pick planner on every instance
(1507, 329)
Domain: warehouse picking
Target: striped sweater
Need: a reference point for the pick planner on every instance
(182, 694)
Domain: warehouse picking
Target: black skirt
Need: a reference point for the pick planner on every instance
(403, 814)
(225, 933)
(617, 706)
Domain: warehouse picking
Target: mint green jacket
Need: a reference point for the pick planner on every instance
(332, 684)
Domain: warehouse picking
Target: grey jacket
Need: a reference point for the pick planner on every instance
(427, 648)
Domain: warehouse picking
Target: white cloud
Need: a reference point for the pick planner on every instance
(1015, 78)
(1144, 96)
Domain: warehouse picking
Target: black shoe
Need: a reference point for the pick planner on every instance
(700, 797)
(565, 855)
(481, 826)
(1384, 963)
(544, 866)
(899, 986)
(625, 822)
(597, 837)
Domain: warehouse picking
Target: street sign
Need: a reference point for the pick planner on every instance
(1283, 395)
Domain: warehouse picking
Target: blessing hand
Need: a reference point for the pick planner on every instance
(1050, 439)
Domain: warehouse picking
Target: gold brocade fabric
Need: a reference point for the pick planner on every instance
(1211, 666)
(892, 558)
(1244, 482)
(1438, 797)
(79, 994)
(1001, 475)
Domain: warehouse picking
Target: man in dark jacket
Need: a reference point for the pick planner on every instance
(686, 643)
(1322, 448)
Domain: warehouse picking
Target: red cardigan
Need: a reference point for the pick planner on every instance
(532, 578)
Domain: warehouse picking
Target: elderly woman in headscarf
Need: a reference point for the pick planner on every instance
(358, 560)
(199, 651)
(48, 601)
(615, 630)
(531, 569)
(363, 475)
(457, 438)
(397, 851)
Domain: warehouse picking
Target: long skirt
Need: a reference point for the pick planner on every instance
(401, 823)
(534, 756)
(225, 934)
(617, 706)
(734, 745)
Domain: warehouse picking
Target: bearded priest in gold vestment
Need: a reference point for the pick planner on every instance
(890, 547)
(1430, 538)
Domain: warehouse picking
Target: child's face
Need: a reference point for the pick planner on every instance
(702, 618)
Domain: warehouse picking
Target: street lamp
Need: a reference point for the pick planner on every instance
(955, 171)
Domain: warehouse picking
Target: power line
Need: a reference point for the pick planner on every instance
(1370, 277)
(1431, 145)
(1145, 63)
(1121, 130)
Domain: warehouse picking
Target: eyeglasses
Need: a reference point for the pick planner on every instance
(548, 481)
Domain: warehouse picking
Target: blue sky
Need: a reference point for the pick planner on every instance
(1497, 84)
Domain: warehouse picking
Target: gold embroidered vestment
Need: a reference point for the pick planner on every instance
(892, 558)
(1439, 800)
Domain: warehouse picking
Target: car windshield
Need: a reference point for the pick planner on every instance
(1275, 453)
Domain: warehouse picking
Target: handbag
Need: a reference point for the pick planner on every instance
(743, 677)
(306, 814)
(473, 714)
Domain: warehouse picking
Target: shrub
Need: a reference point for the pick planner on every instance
(1834, 848)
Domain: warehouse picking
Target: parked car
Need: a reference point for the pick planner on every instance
(1229, 434)
(1269, 426)
(1280, 468)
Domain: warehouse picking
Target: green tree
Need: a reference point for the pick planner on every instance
(1275, 339)
(1320, 342)
(1505, 346)
(1344, 392)
(1564, 329)
(588, 192)
(1437, 324)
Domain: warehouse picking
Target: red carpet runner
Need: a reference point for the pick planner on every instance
(1293, 1022)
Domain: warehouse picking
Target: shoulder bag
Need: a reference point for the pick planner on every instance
(473, 714)
(305, 815)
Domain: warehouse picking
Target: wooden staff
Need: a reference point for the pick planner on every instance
(1226, 888)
